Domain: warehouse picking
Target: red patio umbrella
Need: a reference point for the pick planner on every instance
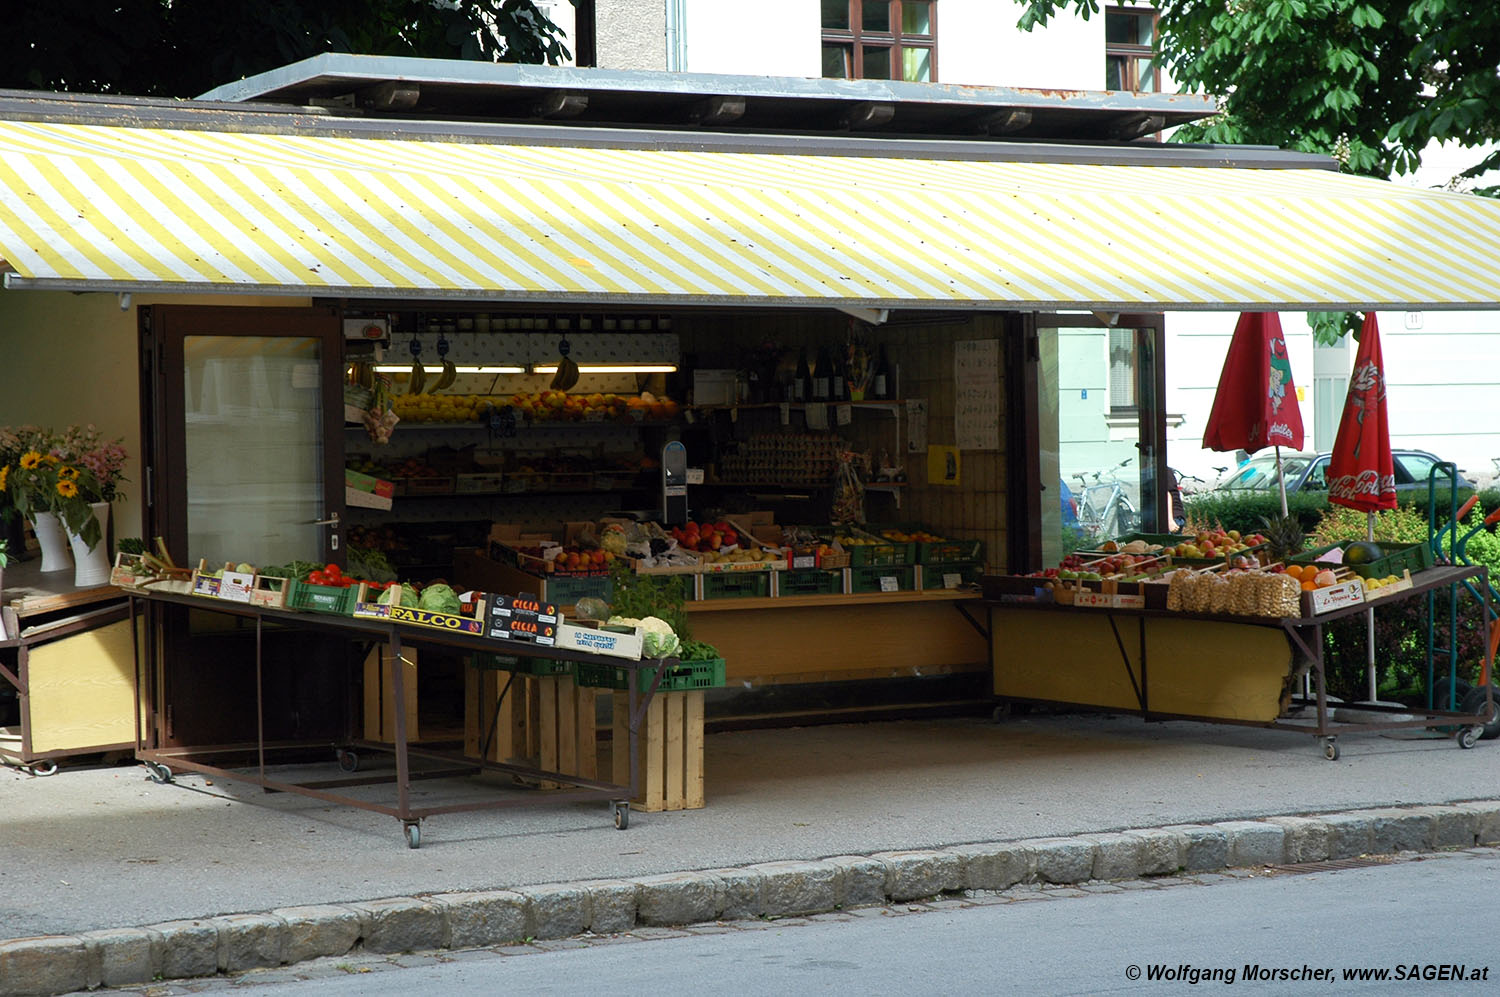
(1256, 403)
(1361, 474)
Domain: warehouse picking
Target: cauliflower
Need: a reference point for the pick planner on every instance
(658, 638)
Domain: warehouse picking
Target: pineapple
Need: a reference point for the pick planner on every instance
(1284, 536)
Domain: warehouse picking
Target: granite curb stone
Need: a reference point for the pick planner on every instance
(286, 936)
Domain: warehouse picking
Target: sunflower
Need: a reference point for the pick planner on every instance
(67, 489)
(66, 473)
(4, 476)
(30, 460)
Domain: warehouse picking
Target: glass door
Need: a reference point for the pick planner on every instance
(249, 440)
(242, 422)
(1101, 429)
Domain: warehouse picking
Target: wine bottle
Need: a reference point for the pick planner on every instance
(802, 382)
(880, 379)
(838, 390)
(822, 379)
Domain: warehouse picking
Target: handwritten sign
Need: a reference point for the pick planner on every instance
(976, 394)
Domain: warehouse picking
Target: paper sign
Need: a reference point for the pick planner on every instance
(943, 465)
(976, 394)
(952, 579)
(817, 415)
(916, 425)
(889, 583)
(236, 586)
(843, 414)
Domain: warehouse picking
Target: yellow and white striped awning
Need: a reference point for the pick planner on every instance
(99, 207)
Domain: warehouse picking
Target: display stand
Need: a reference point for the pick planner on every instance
(161, 762)
(1194, 666)
(65, 654)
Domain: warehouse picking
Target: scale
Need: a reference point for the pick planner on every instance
(674, 501)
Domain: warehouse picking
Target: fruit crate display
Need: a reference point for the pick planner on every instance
(932, 547)
(681, 677)
(871, 578)
(566, 589)
(935, 576)
(1382, 559)
(810, 581)
(865, 549)
(736, 585)
(331, 599)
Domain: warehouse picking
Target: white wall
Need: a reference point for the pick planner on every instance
(768, 38)
(980, 45)
(631, 34)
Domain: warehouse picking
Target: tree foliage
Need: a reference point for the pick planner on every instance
(182, 48)
(1370, 82)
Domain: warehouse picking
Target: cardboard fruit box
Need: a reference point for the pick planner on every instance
(368, 606)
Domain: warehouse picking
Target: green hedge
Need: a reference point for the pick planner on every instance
(1244, 511)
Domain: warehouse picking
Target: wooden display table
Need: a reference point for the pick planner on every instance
(67, 653)
(1168, 665)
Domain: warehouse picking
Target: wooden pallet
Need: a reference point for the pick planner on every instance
(671, 750)
(544, 722)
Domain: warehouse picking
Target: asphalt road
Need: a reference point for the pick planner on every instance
(103, 847)
(1270, 933)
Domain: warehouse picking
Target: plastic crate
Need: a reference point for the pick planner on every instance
(812, 581)
(877, 550)
(565, 590)
(948, 550)
(869, 578)
(934, 576)
(737, 585)
(544, 666)
(1394, 558)
(495, 662)
(682, 677)
(329, 599)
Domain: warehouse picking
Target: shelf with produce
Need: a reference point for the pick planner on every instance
(875, 486)
(891, 406)
(523, 425)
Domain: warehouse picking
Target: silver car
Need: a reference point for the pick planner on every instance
(1306, 472)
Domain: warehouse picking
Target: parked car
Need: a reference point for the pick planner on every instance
(1305, 472)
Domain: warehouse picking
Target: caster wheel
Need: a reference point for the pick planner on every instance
(1469, 736)
(413, 836)
(1001, 712)
(158, 773)
(1474, 702)
(622, 816)
(1331, 749)
(46, 768)
(348, 761)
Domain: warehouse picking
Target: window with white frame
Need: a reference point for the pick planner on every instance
(880, 40)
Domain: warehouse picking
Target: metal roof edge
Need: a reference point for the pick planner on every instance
(287, 119)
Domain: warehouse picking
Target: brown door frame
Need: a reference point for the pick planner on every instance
(163, 427)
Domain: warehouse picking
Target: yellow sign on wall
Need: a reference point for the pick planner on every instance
(943, 465)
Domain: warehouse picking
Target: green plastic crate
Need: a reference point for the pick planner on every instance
(737, 585)
(495, 662)
(868, 578)
(949, 550)
(810, 581)
(933, 575)
(684, 676)
(330, 599)
(1395, 558)
(565, 590)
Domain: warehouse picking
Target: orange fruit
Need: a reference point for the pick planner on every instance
(1295, 570)
(1309, 585)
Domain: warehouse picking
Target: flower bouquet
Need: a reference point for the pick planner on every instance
(61, 474)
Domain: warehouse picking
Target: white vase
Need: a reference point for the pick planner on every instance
(91, 567)
(54, 542)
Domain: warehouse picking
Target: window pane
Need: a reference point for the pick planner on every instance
(916, 64)
(875, 16)
(1145, 76)
(838, 61)
(916, 18)
(1127, 29)
(836, 15)
(1114, 73)
(877, 63)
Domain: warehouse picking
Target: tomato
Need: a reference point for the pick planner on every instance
(332, 570)
(317, 578)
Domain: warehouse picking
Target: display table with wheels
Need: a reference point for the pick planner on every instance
(157, 702)
(1171, 665)
(65, 653)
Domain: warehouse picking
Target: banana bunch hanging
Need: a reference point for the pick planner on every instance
(450, 373)
(417, 379)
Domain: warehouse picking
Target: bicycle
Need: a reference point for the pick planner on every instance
(1104, 510)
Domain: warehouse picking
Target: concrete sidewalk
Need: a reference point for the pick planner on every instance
(1034, 797)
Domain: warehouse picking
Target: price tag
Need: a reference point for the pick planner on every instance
(843, 415)
(236, 586)
(695, 475)
(889, 583)
(952, 579)
(786, 413)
